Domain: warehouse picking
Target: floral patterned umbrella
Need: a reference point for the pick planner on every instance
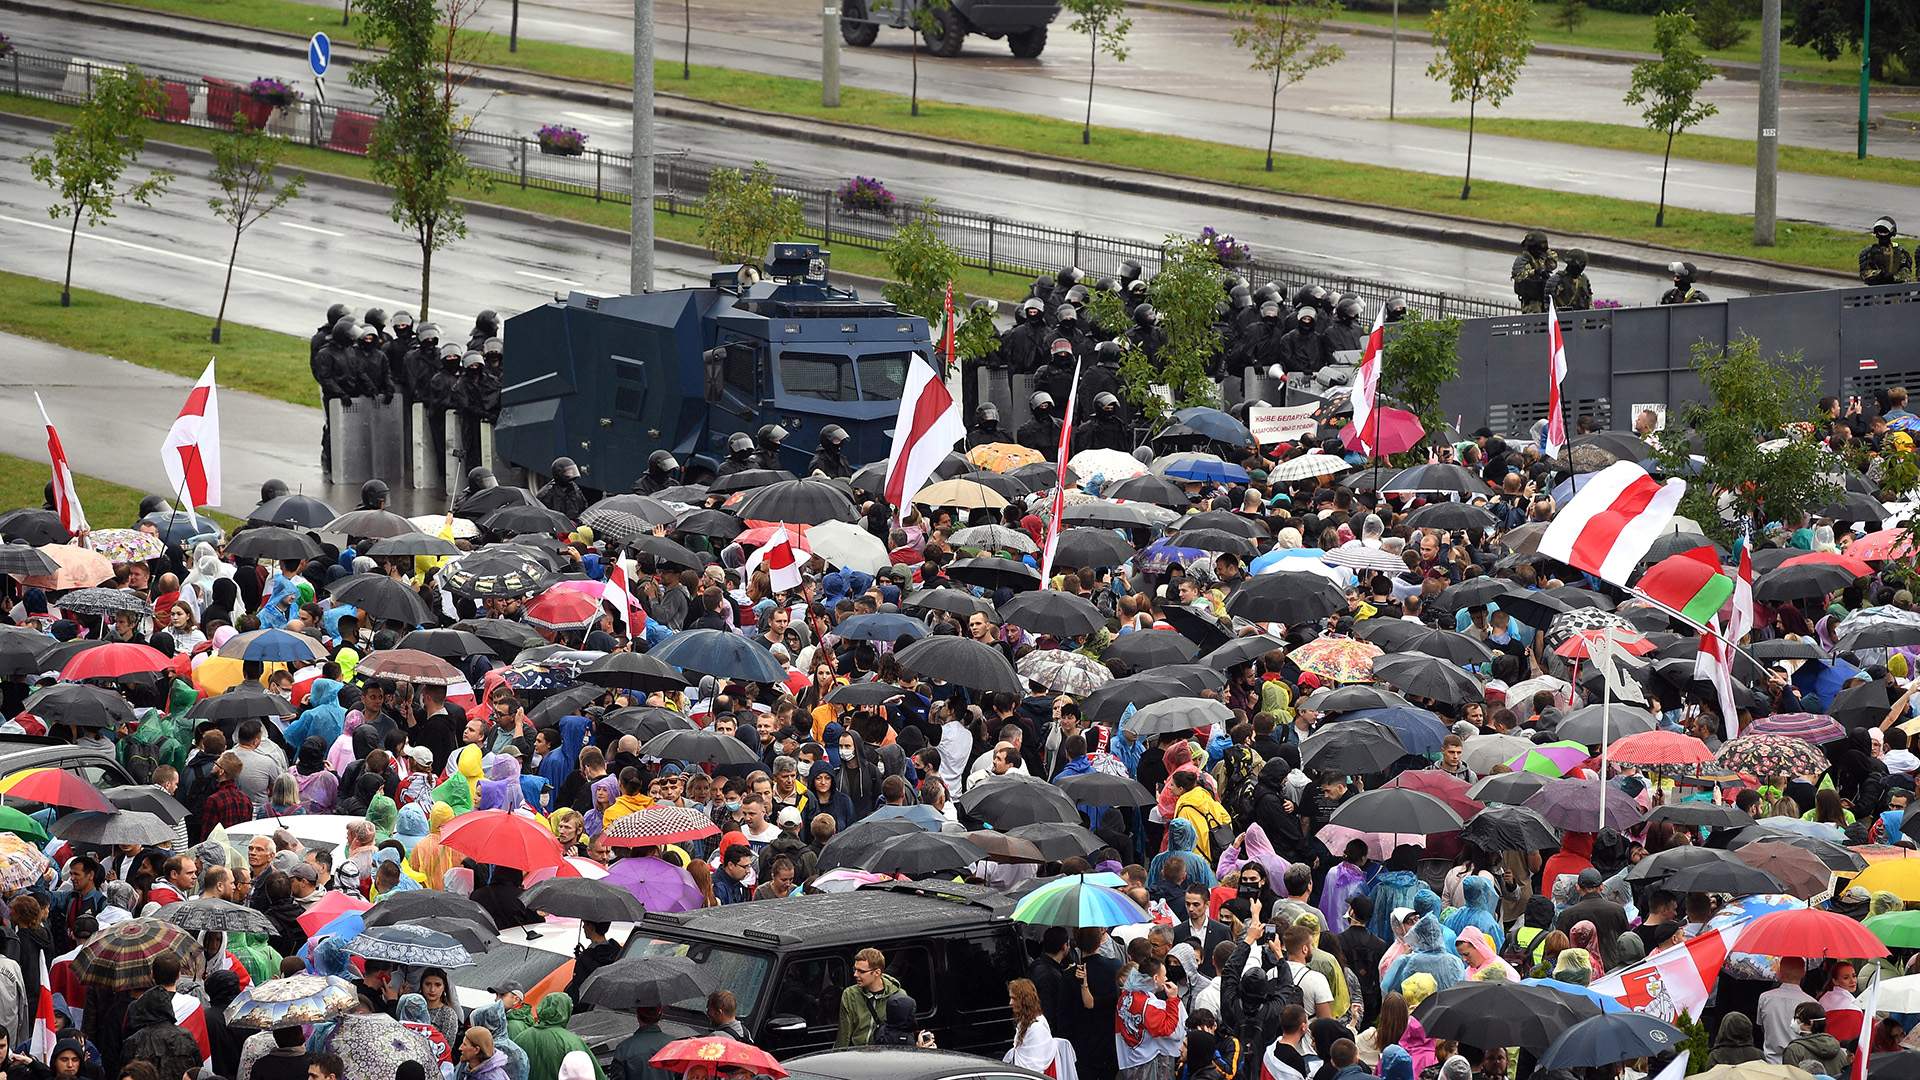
(1768, 755)
(372, 1047)
(297, 999)
(21, 863)
(126, 545)
(1063, 672)
(414, 946)
(1343, 660)
(1003, 457)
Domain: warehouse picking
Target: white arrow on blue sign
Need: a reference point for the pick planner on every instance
(319, 54)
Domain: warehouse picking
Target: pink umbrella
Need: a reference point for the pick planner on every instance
(572, 866)
(1379, 845)
(846, 880)
(1390, 430)
(657, 883)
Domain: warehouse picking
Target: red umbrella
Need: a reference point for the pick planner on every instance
(562, 609)
(716, 1052)
(411, 666)
(1659, 748)
(1885, 544)
(1391, 431)
(1850, 562)
(115, 660)
(502, 838)
(1579, 645)
(1811, 933)
(328, 908)
(1448, 789)
(54, 787)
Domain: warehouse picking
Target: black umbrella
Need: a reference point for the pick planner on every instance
(370, 524)
(1620, 444)
(864, 693)
(1061, 614)
(1436, 479)
(1501, 1013)
(1150, 488)
(500, 571)
(1801, 581)
(425, 905)
(1583, 725)
(1676, 543)
(1885, 635)
(504, 637)
(1862, 704)
(1353, 747)
(1107, 702)
(274, 542)
(24, 560)
(1091, 547)
(1853, 506)
(80, 705)
(1143, 649)
(961, 662)
(1114, 515)
(717, 524)
(994, 573)
(1226, 521)
(633, 671)
(1037, 475)
(1427, 677)
(56, 657)
(858, 840)
(1392, 635)
(148, 799)
(118, 827)
(1105, 789)
(1836, 857)
(21, 651)
(1658, 865)
(1473, 592)
(919, 853)
(798, 502)
(1702, 815)
(382, 597)
(1198, 626)
(645, 507)
(1294, 599)
(666, 552)
(953, 601)
(485, 501)
(1512, 788)
(1510, 828)
(1576, 597)
(1446, 645)
(240, 703)
(720, 654)
(1610, 1038)
(583, 898)
(445, 644)
(1464, 517)
(1537, 609)
(571, 701)
(1007, 802)
(1724, 876)
(1196, 677)
(411, 546)
(699, 748)
(1059, 840)
(644, 982)
(1217, 540)
(749, 480)
(33, 526)
(1395, 809)
(1243, 650)
(643, 722)
(514, 520)
(299, 511)
(1349, 698)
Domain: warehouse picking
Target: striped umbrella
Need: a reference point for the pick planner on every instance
(121, 956)
(1812, 728)
(54, 787)
(1076, 902)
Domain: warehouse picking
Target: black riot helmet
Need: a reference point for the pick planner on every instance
(272, 489)
(771, 436)
(1683, 272)
(1241, 296)
(1066, 313)
(343, 329)
(336, 312)
(373, 494)
(1349, 309)
(480, 478)
(1396, 309)
(376, 318)
(1230, 282)
(1574, 261)
(1129, 271)
(1042, 286)
(986, 415)
(1068, 277)
(1077, 296)
(564, 470)
(661, 463)
(1270, 310)
(834, 436)
(739, 444)
(1313, 295)
(487, 321)
(1886, 228)
(1267, 292)
(1107, 284)
(1107, 352)
(153, 504)
(1040, 402)
(1106, 402)
(1146, 316)
(1534, 243)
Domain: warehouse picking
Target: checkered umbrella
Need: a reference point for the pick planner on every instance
(657, 826)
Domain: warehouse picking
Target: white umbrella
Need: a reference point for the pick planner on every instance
(1306, 565)
(1524, 690)
(1901, 995)
(431, 524)
(1308, 466)
(848, 546)
(1357, 555)
(1111, 464)
(1483, 752)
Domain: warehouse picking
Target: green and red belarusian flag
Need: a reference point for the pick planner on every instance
(1691, 583)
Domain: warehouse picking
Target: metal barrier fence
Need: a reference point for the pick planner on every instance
(996, 245)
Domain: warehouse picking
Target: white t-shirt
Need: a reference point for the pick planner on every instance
(1313, 987)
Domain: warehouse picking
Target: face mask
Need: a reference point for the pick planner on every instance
(733, 806)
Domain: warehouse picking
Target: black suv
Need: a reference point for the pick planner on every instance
(97, 767)
(951, 946)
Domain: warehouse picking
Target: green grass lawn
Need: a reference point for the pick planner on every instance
(108, 505)
(1715, 148)
(1911, 116)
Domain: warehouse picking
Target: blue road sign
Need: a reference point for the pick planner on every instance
(319, 54)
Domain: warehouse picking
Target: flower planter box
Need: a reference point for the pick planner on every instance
(562, 149)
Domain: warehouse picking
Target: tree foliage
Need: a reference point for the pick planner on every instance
(1479, 48)
(89, 160)
(245, 164)
(920, 265)
(1569, 14)
(743, 214)
(1422, 356)
(1721, 24)
(1106, 26)
(977, 336)
(1830, 27)
(419, 55)
(1184, 293)
(1283, 37)
(1752, 401)
(1667, 89)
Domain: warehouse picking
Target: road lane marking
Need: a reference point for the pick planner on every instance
(311, 228)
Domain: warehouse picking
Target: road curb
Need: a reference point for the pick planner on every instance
(1607, 253)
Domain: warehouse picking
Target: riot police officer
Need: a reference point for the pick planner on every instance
(1066, 326)
(1103, 375)
(335, 313)
(767, 445)
(376, 318)
(1135, 293)
(397, 347)
(1315, 296)
(828, 458)
(1057, 377)
(443, 388)
(740, 456)
(333, 372)
(479, 479)
(1530, 271)
(1884, 262)
(662, 473)
(1683, 291)
(562, 493)
(1569, 287)
(1396, 309)
(1129, 272)
(1104, 430)
(270, 491)
(369, 364)
(485, 325)
(1042, 432)
(1347, 331)
(1305, 348)
(1146, 334)
(416, 369)
(479, 393)
(374, 495)
(986, 427)
(1023, 347)
(1259, 344)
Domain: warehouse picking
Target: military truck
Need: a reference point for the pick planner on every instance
(608, 380)
(1022, 22)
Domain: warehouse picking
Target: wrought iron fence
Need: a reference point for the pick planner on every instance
(994, 244)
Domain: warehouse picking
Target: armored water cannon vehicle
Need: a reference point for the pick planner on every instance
(608, 380)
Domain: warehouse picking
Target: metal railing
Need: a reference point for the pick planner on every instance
(996, 245)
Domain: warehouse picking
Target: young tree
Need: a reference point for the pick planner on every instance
(1184, 293)
(89, 158)
(1422, 356)
(1479, 48)
(1668, 89)
(1570, 14)
(1721, 24)
(1106, 29)
(920, 264)
(743, 214)
(934, 20)
(244, 161)
(419, 56)
(1284, 38)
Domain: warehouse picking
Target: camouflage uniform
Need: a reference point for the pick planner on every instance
(1530, 270)
(1885, 264)
(1569, 287)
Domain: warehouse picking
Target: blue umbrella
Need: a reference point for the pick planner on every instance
(720, 654)
(1420, 731)
(279, 646)
(1164, 553)
(1264, 562)
(1203, 469)
(882, 626)
(1607, 1004)
(180, 529)
(1215, 425)
(1609, 1038)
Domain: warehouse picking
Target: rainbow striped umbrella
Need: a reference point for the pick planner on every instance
(1553, 759)
(1076, 902)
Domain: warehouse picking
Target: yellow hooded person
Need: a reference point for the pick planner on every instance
(461, 788)
(430, 859)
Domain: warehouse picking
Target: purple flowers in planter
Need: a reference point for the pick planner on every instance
(865, 193)
(271, 91)
(1225, 248)
(555, 139)
(1606, 303)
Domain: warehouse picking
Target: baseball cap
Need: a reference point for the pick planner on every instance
(1590, 878)
(788, 816)
(305, 872)
(510, 986)
(421, 755)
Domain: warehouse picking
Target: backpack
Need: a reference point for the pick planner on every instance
(1242, 782)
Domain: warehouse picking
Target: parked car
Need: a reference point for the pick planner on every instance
(902, 1063)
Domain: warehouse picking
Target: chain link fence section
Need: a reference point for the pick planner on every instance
(996, 245)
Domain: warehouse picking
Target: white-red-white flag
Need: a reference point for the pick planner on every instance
(1674, 980)
(621, 597)
(780, 560)
(191, 454)
(1714, 663)
(1057, 509)
(66, 497)
(1556, 374)
(1740, 614)
(40, 1041)
(1366, 379)
(1608, 526)
(191, 1014)
(928, 425)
